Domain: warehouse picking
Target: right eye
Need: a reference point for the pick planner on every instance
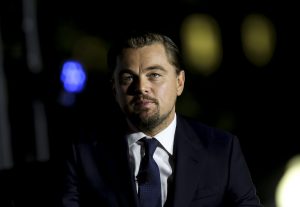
(126, 78)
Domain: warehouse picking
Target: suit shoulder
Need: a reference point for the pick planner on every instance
(207, 134)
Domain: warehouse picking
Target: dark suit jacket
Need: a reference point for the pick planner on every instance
(209, 170)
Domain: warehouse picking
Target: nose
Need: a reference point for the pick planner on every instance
(142, 86)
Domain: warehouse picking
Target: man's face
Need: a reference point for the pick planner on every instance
(146, 87)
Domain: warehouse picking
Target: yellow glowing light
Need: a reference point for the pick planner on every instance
(288, 189)
(201, 43)
(258, 39)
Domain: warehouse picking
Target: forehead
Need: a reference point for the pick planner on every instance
(150, 54)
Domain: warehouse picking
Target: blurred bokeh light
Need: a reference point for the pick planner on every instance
(73, 76)
(288, 190)
(258, 39)
(201, 43)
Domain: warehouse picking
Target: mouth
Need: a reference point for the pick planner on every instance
(143, 103)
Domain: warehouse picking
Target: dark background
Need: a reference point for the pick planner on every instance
(258, 104)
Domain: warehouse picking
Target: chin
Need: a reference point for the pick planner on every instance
(145, 119)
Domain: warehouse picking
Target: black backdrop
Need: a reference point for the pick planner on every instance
(262, 101)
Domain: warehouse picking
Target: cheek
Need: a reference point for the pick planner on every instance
(122, 98)
(166, 94)
(119, 96)
(120, 91)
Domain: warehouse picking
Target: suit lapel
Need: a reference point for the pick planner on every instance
(189, 164)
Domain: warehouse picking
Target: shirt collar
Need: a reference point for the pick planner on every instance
(165, 137)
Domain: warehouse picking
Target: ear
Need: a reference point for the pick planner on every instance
(180, 82)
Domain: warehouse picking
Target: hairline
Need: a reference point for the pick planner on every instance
(147, 39)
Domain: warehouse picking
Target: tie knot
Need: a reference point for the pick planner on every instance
(150, 146)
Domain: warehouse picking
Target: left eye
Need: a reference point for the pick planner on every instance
(154, 75)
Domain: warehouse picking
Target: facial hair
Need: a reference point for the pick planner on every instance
(148, 122)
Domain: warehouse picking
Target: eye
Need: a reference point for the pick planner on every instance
(154, 75)
(126, 78)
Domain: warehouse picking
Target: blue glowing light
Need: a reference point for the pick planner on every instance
(73, 76)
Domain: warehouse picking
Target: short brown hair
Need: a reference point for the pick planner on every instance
(140, 39)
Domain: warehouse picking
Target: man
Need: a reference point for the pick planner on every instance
(192, 165)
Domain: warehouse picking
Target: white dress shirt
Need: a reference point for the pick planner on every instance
(162, 154)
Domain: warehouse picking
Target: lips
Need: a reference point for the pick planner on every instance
(143, 103)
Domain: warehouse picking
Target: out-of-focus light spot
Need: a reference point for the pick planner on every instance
(73, 76)
(201, 43)
(258, 39)
(91, 51)
(288, 189)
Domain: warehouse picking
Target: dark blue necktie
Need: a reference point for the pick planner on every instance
(149, 177)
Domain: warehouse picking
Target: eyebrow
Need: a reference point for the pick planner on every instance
(153, 67)
(125, 70)
(156, 67)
